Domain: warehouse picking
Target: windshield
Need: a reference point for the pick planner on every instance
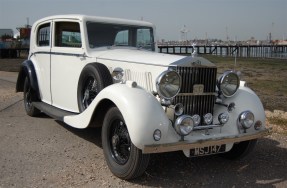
(103, 34)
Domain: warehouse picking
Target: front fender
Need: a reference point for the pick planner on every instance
(142, 113)
(245, 99)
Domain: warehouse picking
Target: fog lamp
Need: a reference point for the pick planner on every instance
(157, 135)
(184, 125)
(223, 118)
(178, 109)
(196, 119)
(207, 118)
(246, 119)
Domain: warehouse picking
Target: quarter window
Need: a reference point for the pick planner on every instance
(43, 35)
(68, 35)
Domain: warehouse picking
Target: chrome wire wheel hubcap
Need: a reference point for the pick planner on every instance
(90, 91)
(120, 142)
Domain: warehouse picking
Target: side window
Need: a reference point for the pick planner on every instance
(43, 35)
(67, 34)
(122, 38)
(144, 38)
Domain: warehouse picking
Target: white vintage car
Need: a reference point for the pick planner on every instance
(103, 72)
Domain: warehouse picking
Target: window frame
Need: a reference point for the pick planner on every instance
(132, 35)
(55, 33)
(44, 25)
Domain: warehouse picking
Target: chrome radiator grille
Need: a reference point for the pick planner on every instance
(197, 75)
(195, 103)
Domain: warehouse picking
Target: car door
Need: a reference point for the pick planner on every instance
(41, 58)
(67, 61)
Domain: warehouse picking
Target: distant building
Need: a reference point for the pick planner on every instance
(6, 32)
(280, 42)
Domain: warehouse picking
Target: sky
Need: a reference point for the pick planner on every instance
(212, 19)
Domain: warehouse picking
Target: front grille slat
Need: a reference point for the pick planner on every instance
(197, 104)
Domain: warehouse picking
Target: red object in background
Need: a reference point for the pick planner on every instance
(25, 32)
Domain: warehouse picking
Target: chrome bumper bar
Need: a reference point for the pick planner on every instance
(185, 145)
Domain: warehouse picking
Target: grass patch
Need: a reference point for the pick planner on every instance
(279, 125)
(267, 77)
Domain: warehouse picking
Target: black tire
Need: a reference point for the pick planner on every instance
(124, 159)
(93, 79)
(30, 96)
(240, 150)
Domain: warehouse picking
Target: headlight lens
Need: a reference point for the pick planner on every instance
(246, 119)
(168, 84)
(208, 118)
(184, 125)
(223, 118)
(228, 83)
(196, 119)
(118, 74)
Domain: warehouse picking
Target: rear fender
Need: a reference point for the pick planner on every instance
(142, 113)
(27, 69)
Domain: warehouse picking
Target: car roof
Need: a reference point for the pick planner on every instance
(97, 19)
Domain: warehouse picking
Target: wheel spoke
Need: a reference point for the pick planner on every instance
(120, 142)
(89, 91)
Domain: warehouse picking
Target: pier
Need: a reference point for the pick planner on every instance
(279, 51)
(12, 52)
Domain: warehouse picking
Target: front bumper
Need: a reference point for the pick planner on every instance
(185, 145)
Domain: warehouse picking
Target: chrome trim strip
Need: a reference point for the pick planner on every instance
(202, 127)
(58, 53)
(185, 145)
(195, 94)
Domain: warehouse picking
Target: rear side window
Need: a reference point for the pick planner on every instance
(43, 35)
(68, 35)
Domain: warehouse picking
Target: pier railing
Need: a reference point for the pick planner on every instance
(270, 51)
(279, 51)
(13, 52)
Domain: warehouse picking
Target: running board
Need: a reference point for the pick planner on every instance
(52, 111)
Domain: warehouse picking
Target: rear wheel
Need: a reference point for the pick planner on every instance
(124, 159)
(240, 150)
(30, 97)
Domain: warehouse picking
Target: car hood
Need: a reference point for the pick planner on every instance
(137, 56)
(150, 58)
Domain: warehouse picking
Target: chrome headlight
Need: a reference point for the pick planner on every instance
(228, 83)
(118, 74)
(196, 119)
(223, 118)
(168, 84)
(208, 118)
(184, 125)
(246, 119)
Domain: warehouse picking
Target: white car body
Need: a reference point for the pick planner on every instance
(58, 69)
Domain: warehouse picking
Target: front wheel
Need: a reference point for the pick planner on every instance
(240, 150)
(124, 159)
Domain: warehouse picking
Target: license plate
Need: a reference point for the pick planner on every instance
(209, 150)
